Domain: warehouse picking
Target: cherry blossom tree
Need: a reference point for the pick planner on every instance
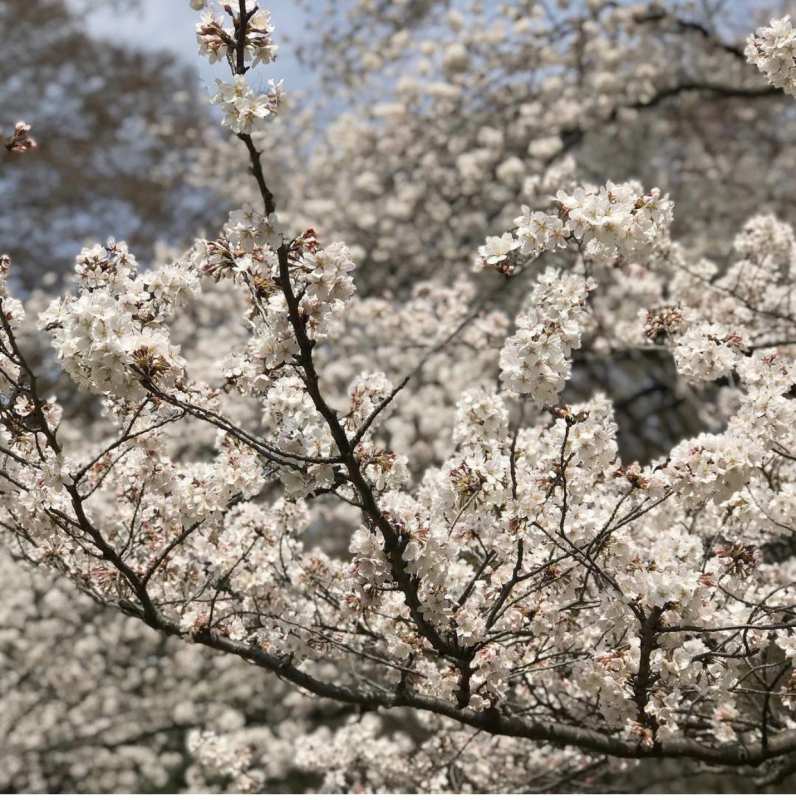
(389, 502)
(428, 152)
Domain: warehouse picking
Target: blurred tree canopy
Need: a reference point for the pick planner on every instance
(114, 128)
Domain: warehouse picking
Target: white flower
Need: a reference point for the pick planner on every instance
(497, 248)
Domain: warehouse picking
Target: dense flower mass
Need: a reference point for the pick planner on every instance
(404, 505)
(773, 51)
(535, 360)
(112, 336)
(613, 221)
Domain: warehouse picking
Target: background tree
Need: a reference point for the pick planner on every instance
(115, 130)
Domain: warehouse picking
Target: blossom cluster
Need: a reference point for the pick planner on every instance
(245, 110)
(20, 140)
(772, 50)
(13, 313)
(112, 337)
(319, 277)
(245, 45)
(218, 43)
(612, 221)
(221, 756)
(708, 351)
(535, 360)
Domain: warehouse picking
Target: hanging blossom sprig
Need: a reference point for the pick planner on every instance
(610, 221)
(244, 44)
(773, 51)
